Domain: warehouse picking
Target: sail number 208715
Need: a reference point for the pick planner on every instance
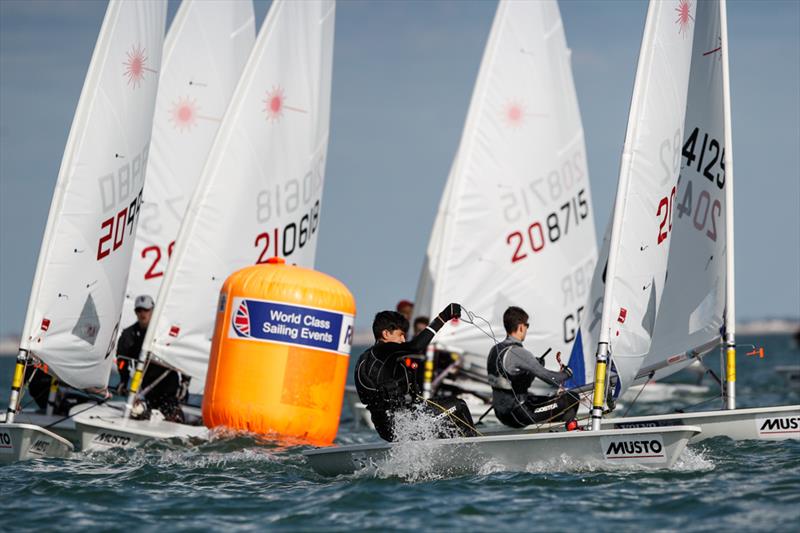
(556, 225)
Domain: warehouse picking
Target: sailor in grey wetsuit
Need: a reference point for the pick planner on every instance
(512, 369)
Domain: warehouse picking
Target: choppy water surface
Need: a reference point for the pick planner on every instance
(241, 482)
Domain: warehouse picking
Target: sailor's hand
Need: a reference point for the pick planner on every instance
(450, 312)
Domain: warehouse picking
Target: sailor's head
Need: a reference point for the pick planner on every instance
(515, 320)
(143, 306)
(405, 308)
(389, 326)
(420, 323)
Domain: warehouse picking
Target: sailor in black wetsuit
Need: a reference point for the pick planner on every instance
(512, 369)
(387, 385)
(163, 385)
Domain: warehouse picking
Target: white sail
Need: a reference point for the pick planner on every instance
(260, 191)
(691, 312)
(77, 295)
(638, 244)
(204, 53)
(515, 225)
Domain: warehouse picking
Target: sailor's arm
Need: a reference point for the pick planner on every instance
(421, 341)
(526, 360)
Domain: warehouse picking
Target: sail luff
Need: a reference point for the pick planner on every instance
(76, 296)
(464, 152)
(730, 299)
(76, 134)
(621, 198)
(639, 246)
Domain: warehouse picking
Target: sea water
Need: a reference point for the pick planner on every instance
(243, 482)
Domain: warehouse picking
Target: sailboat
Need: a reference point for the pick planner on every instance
(697, 313)
(516, 207)
(76, 298)
(204, 52)
(516, 215)
(636, 249)
(259, 196)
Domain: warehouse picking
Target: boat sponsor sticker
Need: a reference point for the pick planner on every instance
(6, 444)
(266, 321)
(39, 447)
(110, 439)
(634, 449)
(778, 427)
(656, 423)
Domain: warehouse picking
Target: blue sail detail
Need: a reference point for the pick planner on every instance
(576, 364)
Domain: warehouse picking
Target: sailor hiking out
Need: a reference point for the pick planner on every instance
(386, 380)
(512, 369)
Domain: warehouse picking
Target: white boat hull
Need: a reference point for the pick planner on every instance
(764, 423)
(58, 424)
(21, 442)
(758, 423)
(104, 428)
(648, 448)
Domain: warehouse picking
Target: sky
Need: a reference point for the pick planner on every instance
(402, 80)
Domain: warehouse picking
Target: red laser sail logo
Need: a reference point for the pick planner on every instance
(275, 104)
(685, 17)
(136, 66)
(183, 114)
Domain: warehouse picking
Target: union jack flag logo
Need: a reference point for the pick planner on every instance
(241, 320)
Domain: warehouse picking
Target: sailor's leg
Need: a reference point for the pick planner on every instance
(455, 415)
(384, 423)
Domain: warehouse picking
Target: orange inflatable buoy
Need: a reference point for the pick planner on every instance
(280, 352)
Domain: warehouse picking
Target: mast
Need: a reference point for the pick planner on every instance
(730, 307)
(601, 356)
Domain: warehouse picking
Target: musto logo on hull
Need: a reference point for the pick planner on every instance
(779, 427)
(6, 445)
(266, 321)
(634, 449)
(39, 447)
(109, 439)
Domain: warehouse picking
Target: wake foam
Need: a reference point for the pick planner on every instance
(693, 460)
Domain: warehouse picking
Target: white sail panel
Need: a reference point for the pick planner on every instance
(515, 225)
(77, 295)
(260, 191)
(204, 53)
(691, 312)
(647, 193)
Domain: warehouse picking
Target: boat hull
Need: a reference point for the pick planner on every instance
(104, 428)
(762, 423)
(22, 442)
(647, 448)
(58, 424)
